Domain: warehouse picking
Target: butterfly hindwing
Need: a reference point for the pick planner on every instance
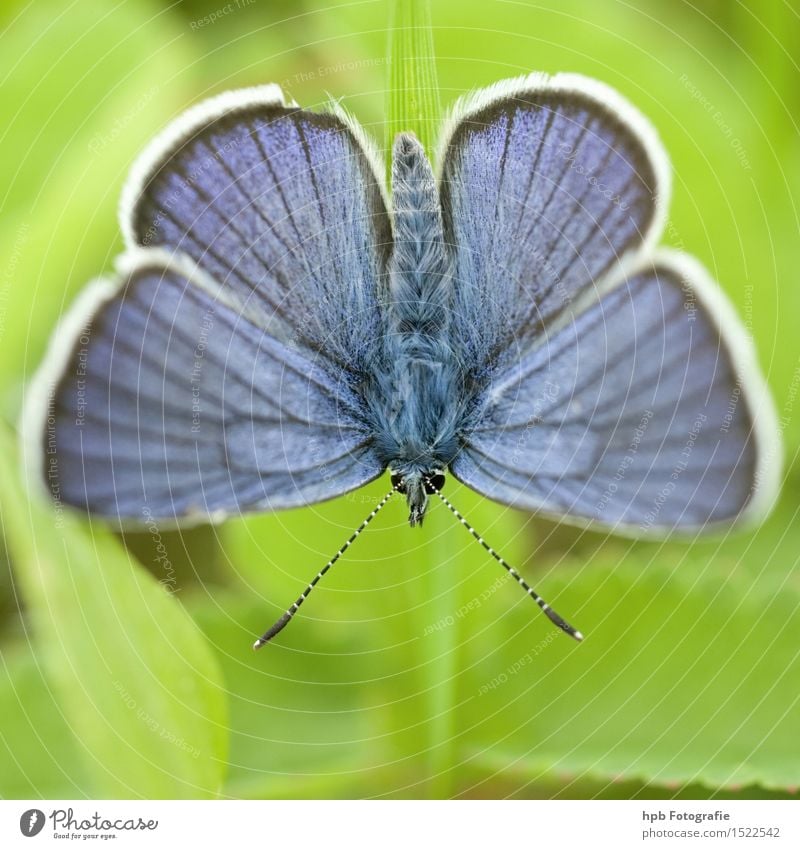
(645, 413)
(172, 403)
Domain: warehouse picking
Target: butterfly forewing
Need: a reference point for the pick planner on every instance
(545, 186)
(281, 206)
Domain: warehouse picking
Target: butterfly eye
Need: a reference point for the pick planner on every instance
(434, 483)
(398, 483)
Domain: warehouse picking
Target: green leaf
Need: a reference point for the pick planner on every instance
(39, 754)
(300, 723)
(133, 676)
(686, 676)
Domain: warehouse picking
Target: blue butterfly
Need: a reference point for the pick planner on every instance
(281, 330)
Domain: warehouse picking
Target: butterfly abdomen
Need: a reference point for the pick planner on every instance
(418, 395)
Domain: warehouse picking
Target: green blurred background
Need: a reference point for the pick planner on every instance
(417, 669)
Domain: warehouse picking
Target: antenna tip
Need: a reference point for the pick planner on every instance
(258, 643)
(578, 636)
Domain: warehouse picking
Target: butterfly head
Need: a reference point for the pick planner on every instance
(417, 486)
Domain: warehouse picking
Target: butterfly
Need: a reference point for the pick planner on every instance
(281, 329)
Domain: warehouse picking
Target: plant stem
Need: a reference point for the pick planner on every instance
(413, 90)
(413, 105)
(440, 647)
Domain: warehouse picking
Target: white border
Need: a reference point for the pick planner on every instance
(754, 388)
(36, 401)
(352, 823)
(608, 100)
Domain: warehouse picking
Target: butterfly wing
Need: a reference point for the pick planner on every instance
(546, 184)
(616, 389)
(218, 374)
(282, 206)
(646, 413)
(162, 399)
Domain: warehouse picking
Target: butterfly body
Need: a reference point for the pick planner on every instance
(418, 399)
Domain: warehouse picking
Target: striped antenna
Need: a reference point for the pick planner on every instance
(289, 615)
(548, 611)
